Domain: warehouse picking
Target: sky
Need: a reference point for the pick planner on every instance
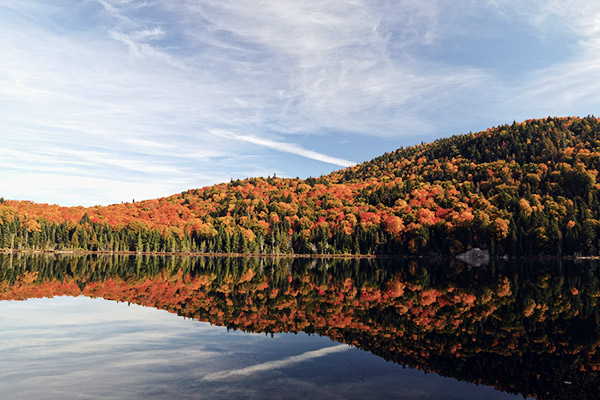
(107, 101)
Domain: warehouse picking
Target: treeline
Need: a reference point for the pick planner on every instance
(523, 189)
(89, 236)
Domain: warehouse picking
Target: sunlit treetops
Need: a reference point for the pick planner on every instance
(525, 188)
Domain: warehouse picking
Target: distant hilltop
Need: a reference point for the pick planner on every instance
(527, 188)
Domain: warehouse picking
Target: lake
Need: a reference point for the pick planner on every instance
(114, 327)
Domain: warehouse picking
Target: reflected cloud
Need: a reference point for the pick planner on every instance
(100, 348)
(276, 364)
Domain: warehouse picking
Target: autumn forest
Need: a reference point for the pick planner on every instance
(527, 188)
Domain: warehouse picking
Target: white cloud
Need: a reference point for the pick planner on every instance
(140, 45)
(286, 147)
(581, 17)
(568, 87)
(83, 190)
(335, 63)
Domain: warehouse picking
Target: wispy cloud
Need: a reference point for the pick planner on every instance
(344, 66)
(276, 364)
(287, 147)
(140, 45)
(570, 86)
(580, 17)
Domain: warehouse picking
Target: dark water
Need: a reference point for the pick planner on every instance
(128, 328)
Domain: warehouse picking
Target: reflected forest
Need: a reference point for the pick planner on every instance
(524, 327)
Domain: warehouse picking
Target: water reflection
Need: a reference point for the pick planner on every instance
(527, 328)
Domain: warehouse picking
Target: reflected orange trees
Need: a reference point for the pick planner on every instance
(526, 328)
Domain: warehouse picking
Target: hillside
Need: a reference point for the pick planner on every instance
(523, 189)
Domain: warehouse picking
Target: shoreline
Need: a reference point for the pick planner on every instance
(193, 254)
(272, 255)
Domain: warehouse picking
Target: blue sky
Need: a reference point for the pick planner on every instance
(104, 101)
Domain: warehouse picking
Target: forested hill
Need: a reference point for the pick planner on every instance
(522, 189)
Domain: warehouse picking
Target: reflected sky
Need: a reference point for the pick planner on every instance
(82, 348)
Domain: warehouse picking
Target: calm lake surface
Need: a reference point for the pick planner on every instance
(92, 327)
